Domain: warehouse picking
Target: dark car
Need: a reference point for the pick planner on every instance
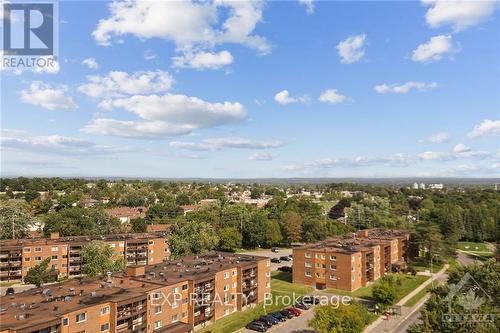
(287, 314)
(296, 312)
(278, 316)
(285, 258)
(275, 250)
(310, 300)
(276, 260)
(269, 320)
(285, 269)
(302, 306)
(258, 326)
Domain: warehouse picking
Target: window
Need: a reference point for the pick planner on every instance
(352, 269)
(65, 321)
(268, 285)
(27, 249)
(54, 266)
(38, 249)
(268, 263)
(234, 285)
(27, 259)
(64, 265)
(234, 273)
(151, 251)
(158, 324)
(53, 257)
(308, 265)
(333, 267)
(322, 256)
(184, 314)
(55, 248)
(105, 310)
(226, 287)
(175, 305)
(175, 318)
(38, 258)
(158, 309)
(184, 287)
(105, 327)
(307, 255)
(175, 290)
(156, 296)
(226, 275)
(333, 258)
(81, 317)
(308, 274)
(333, 277)
(151, 242)
(353, 278)
(352, 258)
(268, 274)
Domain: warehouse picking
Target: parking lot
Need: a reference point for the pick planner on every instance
(271, 254)
(294, 325)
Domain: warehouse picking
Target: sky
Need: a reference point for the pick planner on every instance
(261, 89)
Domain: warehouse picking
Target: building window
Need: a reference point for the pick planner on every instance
(307, 255)
(308, 265)
(105, 310)
(268, 274)
(158, 309)
(158, 324)
(184, 287)
(352, 269)
(53, 257)
(184, 314)
(175, 305)
(353, 278)
(226, 275)
(234, 285)
(226, 287)
(27, 259)
(151, 242)
(333, 277)
(55, 248)
(333, 258)
(268, 263)
(81, 317)
(175, 318)
(54, 266)
(352, 258)
(156, 296)
(175, 290)
(65, 321)
(105, 327)
(234, 273)
(38, 258)
(308, 274)
(38, 249)
(27, 249)
(333, 267)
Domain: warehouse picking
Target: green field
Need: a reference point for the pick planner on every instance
(473, 247)
(420, 266)
(280, 286)
(408, 284)
(418, 296)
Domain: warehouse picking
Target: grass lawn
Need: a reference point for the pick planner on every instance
(326, 204)
(281, 285)
(473, 247)
(414, 300)
(420, 266)
(8, 284)
(408, 284)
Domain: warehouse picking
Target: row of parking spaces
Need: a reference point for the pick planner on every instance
(275, 254)
(288, 320)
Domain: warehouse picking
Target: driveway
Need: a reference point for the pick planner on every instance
(268, 253)
(294, 325)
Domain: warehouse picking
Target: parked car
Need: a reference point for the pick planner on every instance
(291, 256)
(302, 306)
(278, 316)
(269, 320)
(287, 314)
(285, 269)
(258, 326)
(296, 312)
(285, 258)
(275, 250)
(310, 300)
(10, 291)
(276, 260)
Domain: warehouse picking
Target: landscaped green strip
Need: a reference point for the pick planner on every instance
(418, 296)
(471, 246)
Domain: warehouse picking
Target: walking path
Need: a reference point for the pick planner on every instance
(383, 325)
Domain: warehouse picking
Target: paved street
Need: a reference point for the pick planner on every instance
(294, 325)
(270, 254)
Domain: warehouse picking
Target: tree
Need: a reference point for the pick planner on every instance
(230, 239)
(254, 230)
(30, 195)
(194, 237)
(40, 273)
(350, 318)
(15, 219)
(76, 221)
(429, 240)
(159, 212)
(291, 225)
(138, 225)
(273, 233)
(98, 258)
(384, 293)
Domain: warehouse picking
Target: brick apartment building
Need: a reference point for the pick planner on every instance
(171, 297)
(17, 256)
(352, 261)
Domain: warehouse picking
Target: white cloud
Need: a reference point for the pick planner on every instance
(485, 128)
(51, 98)
(331, 96)
(351, 49)
(119, 84)
(204, 60)
(149, 55)
(261, 157)
(189, 24)
(404, 88)
(135, 129)
(220, 143)
(284, 98)
(460, 151)
(56, 144)
(309, 4)
(440, 137)
(434, 49)
(90, 63)
(461, 148)
(459, 14)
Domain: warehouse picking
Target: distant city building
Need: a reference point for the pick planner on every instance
(436, 186)
(415, 186)
(421, 186)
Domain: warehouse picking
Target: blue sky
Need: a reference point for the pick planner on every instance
(261, 89)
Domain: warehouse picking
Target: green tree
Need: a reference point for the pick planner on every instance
(41, 273)
(291, 226)
(230, 239)
(350, 318)
(384, 293)
(15, 219)
(98, 258)
(194, 237)
(138, 225)
(273, 233)
(76, 221)
(254, 230)
(31, 195)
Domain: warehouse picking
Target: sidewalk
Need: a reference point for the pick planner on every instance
(382, 325)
